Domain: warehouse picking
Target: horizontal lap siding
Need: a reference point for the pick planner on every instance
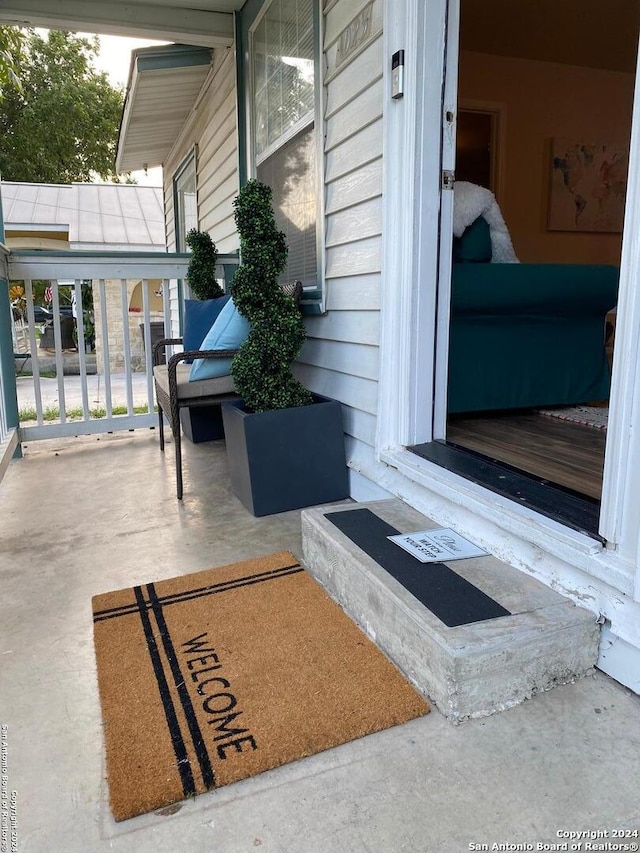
(340, 356)
(212, 127)
(218, 180)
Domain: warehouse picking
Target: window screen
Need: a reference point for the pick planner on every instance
(184, 184)
(284, 142)
(185, 215)
(283, 72)
(291, 173)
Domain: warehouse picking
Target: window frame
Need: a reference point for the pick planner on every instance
(313, 300)
(189, 161)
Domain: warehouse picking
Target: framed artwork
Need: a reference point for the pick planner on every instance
(588, 184)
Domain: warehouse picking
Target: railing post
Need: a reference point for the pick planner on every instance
(9, 420)
(9, 400)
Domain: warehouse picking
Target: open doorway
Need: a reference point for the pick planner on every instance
(531, 344)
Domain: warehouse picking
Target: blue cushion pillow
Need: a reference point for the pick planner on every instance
(229, 332)
(474, 245)
(199, 317)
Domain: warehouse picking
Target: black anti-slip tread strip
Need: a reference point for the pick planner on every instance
(179, 748)
(445, 593)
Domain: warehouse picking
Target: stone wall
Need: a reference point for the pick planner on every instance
(115, 329)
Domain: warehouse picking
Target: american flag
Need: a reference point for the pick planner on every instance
(48, 293)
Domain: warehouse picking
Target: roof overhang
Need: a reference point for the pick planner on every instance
(43, 227)
(164, 83)
(200, 22)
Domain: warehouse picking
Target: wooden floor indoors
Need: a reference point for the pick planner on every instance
(571, 455)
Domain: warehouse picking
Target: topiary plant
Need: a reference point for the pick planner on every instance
(201, 273)
(262, 368)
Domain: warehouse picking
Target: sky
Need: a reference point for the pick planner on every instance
(115, 55)
(114, 59)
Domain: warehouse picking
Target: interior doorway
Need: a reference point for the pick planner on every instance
(477, 154)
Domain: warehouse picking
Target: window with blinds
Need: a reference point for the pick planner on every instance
(291, 174)
(185, 212)
(185, 200)
(282, 61)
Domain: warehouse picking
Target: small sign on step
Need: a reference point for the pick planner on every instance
(437, 546)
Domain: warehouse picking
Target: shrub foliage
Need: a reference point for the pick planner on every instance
(262, 368)
(201, 273)
(59, 116)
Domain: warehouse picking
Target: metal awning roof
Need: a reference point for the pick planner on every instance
(95, 216)
(163, 85)
(201, 22)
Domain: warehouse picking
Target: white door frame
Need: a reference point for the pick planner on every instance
(448, 163)
(411, 211)
(412, 172)
(620, 511)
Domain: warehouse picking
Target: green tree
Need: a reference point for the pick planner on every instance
(61, 124)
(11, 42)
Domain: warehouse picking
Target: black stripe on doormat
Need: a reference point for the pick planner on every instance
(177, 741)
(208, 777)
(223, 586)
(446, 594)
(190, 594)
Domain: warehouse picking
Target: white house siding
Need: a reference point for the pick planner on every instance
(340, 357)
(212, 129)
(218, 180)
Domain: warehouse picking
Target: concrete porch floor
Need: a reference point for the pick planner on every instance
(84, 516)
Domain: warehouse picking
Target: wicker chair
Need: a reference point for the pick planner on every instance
(175, 392)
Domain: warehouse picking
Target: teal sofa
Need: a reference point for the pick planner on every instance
(525, 335)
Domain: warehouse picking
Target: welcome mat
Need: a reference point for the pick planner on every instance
(593, 416)
(216, 676)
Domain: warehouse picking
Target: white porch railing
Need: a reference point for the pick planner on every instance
(118, 393)
(8, 421)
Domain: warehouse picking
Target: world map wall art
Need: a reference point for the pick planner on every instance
(588, 184)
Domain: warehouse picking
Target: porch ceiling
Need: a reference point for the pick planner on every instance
(163, 85)
(201, 22)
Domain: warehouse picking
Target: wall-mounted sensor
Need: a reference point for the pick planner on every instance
(397, 74)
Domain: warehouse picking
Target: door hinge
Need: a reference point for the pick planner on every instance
(448, 179)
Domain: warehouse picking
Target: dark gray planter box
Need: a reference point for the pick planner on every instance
(286, 459)
(202, 423)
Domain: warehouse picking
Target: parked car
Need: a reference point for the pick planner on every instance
(42, 314)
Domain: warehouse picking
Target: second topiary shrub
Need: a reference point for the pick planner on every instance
(201, 273)
(262, 368)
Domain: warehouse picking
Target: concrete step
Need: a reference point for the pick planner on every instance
(470, 670)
